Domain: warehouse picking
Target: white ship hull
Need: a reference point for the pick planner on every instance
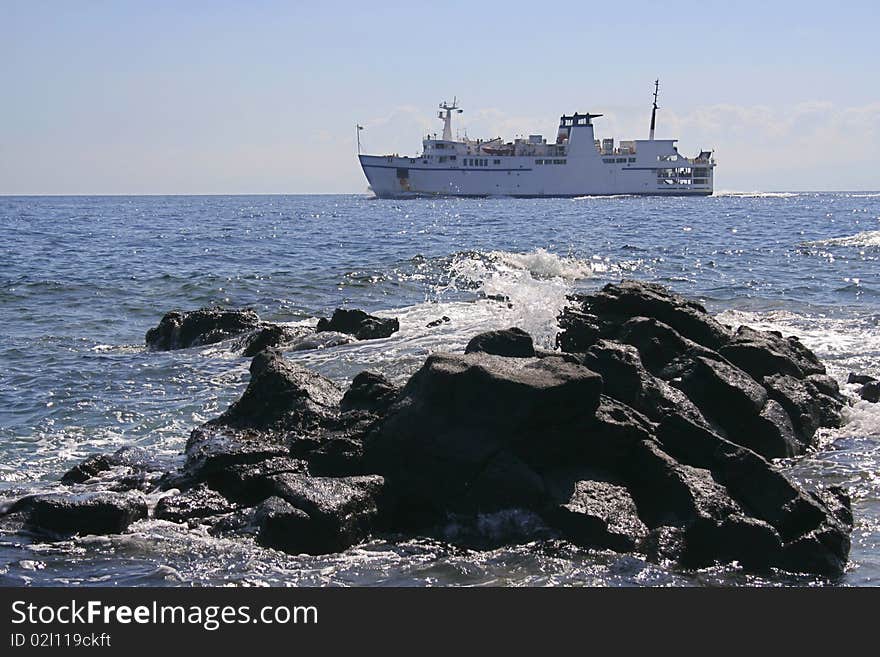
(521, 177)
(577, 164)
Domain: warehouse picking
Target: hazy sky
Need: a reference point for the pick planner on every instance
(263, 97)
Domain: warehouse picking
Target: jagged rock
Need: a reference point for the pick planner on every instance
(737, 405)
(128, 468)
(458, 413)
(814, 533)
(805, 404)
(181, 330)
(85, 513)
(336, 448)
(438, 322)
(251, 483)
(359, 324)
(370, 392)
(580, 330)
(827, 385)
(317, 515)
(671, 493)
(212, 450)
(618, 302)
(659, 344)
(765, 353)
(642, 437)
(197, 502)
(270, 335)
(861, 379)
(282, 395)
(323, 340)
(88, 469)
(598, 514)
(625, 379)
(870, 392)
(513, 342)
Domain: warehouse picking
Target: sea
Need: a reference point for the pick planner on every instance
(83, 278)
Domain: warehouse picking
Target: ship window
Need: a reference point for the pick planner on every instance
(608, 160)
(632, 159)
(621, 159)
(439, 145)
(442, 158)
(452, 157)
(496, 161)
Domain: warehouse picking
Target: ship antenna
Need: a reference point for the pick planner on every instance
(654, 111)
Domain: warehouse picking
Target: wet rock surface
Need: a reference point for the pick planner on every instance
(249, 335)
(652, 431)
(181, 330)
(359, 324)
(513, 342)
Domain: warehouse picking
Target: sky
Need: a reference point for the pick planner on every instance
(159, 97)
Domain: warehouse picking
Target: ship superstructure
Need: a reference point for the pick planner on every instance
(575, 164)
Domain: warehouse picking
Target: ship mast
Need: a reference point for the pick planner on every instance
(654, 111)
(447, 117)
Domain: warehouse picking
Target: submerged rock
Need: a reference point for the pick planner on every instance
(85, 513)
(870, 392)
(359, 324)
(181, 330)
(198, 502)
(861, 379)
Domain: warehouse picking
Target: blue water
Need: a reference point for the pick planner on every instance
(83, 278)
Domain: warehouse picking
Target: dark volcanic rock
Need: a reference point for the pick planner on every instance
(626, 380)
(457, 414)
(85, 513)
(359, 324)
(270, 335)
(737, 405)
(806, 405)
(513, 342)
(659, 344)
(180, 330)
(317, 515)
(764, 353)
(88, 469)
(370, 392)
(870, 392)
(197, 502)
(128, 468)
(861, 379)
(579, 331)
(282, 395)
(438, 322)
(599, 514)
(618, 302)
(652, 433)
(212, 450)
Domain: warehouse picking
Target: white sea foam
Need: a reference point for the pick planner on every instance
(868, 238)
(527, 290)
(756, 194)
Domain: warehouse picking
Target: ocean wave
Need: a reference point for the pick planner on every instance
(756, 194)
(868, 238)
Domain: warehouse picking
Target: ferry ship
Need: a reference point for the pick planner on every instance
(575, 164)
